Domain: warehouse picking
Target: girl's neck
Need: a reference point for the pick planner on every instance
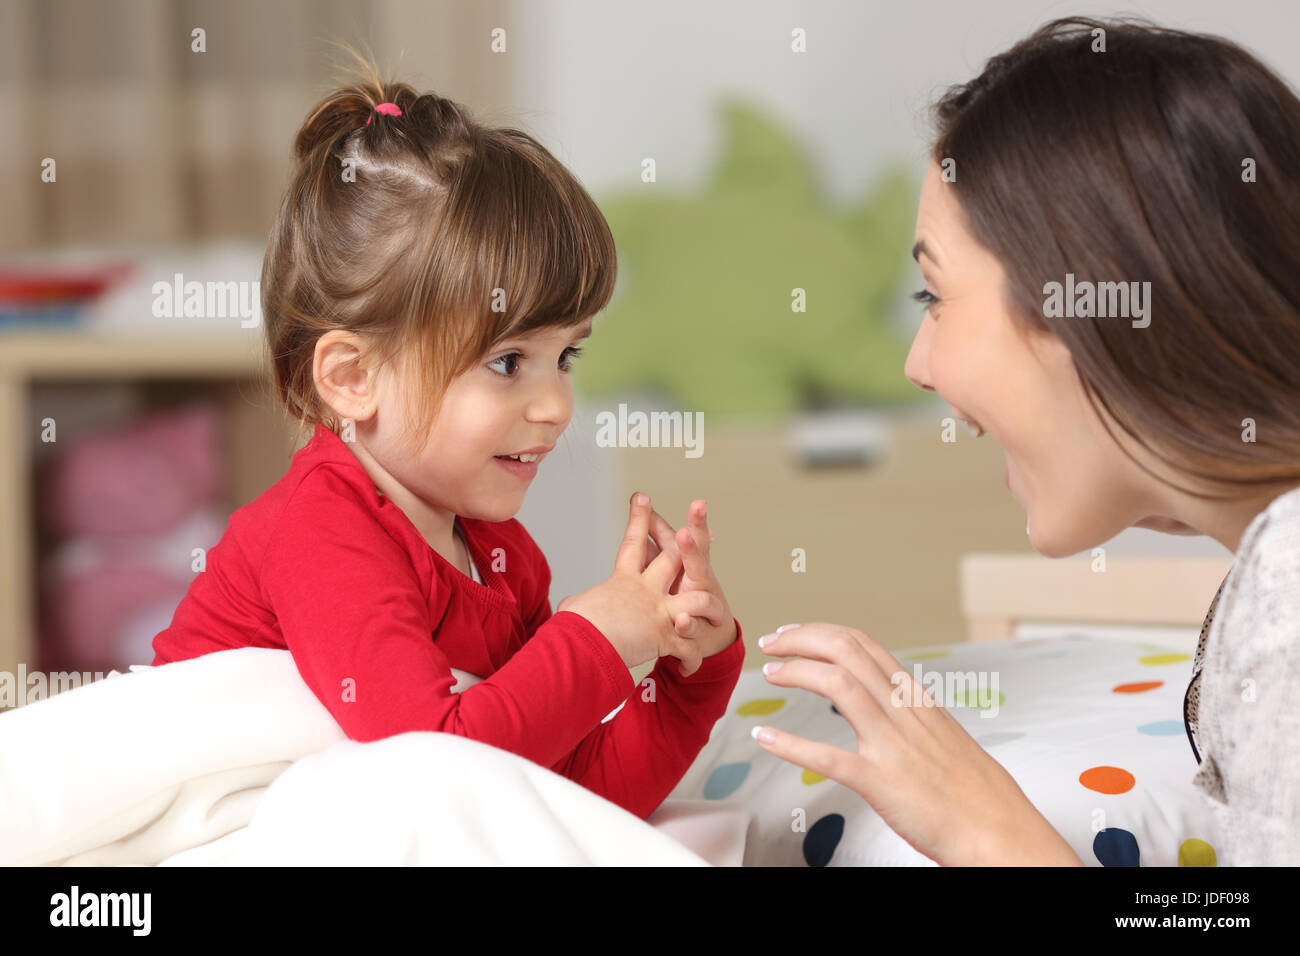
(437, 526)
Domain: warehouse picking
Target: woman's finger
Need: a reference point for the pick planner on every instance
(831, 762)
(833, 644)
(865, 713)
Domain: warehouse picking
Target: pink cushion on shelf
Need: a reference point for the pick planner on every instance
(95, 606)
(140, 478)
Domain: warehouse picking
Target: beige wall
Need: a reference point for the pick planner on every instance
(882, 543)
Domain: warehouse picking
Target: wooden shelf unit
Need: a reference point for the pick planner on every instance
(232, 366)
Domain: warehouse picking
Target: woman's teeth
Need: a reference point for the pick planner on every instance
(976, 429)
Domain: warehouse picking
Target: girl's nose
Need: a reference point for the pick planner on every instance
(552, 403)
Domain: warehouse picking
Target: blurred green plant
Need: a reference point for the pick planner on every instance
(702, 311)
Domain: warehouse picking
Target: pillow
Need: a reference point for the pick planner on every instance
(1091, 730)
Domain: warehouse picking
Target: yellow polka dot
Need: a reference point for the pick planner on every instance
(810, 778)
(760, 707)
(925, 655)
(1196, 852)
(1156, 660)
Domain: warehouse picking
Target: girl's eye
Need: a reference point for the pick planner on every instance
(569, 357)
(926, 297)
(512, 361)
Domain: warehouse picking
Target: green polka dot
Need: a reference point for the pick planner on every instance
(1196, 852)
(974, 697)
(760, 707)
(1158, 660)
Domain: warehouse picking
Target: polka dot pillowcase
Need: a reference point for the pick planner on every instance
(1090, 728)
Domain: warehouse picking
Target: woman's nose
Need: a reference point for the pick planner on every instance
(916, 367)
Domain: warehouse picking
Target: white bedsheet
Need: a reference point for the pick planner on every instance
(229, 759)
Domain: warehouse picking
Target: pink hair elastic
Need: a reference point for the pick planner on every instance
(388, 109)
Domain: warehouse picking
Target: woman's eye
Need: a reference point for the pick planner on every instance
(926, 297)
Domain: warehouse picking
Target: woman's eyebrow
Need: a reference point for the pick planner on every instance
(921, 249)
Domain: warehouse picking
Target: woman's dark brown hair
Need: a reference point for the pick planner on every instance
(432, 235)
(1133, 164)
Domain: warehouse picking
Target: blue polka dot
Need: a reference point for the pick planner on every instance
(822, 839)
(1116, 847)
(725, 780)
(1163, 728)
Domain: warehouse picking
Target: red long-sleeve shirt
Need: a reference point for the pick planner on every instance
(325, 566)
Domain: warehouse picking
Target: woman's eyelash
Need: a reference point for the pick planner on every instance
(926, 297)
(569, 354)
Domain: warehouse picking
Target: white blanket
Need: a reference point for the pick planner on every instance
(230, 759)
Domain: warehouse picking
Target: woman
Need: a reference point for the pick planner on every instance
(1108, 152)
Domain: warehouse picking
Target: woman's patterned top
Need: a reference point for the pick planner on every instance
(1242, 707)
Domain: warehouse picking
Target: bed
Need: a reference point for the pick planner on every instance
(230, 760)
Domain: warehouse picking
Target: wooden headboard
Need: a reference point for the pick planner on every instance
(999, 591)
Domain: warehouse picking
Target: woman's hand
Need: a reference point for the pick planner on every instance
(915, 764)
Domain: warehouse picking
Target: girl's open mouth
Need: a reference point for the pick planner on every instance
(521, 469)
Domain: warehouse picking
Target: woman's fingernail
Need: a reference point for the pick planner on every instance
(785, 627)
(766, 639)
(766, 734)
(771, 667)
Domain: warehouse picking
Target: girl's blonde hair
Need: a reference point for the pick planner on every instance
(430, 234)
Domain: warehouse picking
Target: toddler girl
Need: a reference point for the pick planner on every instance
(425, 289)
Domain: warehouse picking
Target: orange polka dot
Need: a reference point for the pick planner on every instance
(1107, 779)
(1137, 688)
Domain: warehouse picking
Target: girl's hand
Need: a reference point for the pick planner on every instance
(699, 608)
(916, 765)
(630, 606)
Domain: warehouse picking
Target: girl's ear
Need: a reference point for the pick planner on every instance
(343, 372)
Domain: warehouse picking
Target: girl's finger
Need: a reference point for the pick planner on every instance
(688, 653)
(661, 534)
(702, 604)
(697, 520)
(694, 559)
(663, 570)
(686, 626)
(631, 552)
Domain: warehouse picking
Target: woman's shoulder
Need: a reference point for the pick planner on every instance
(1261, 600)
(1249, 715)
